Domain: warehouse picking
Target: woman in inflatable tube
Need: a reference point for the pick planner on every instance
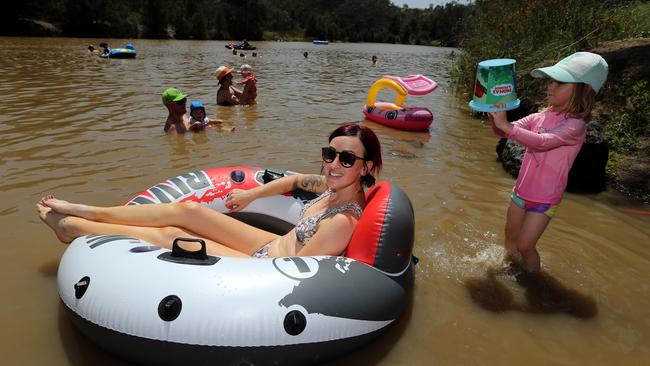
(186, 307)
(353, 155)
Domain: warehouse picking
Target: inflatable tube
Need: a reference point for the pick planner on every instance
(240, 47)
(395, 114)
(415, 84)
(160, 307)
(127, 52)
(409, 119)
(388, 84)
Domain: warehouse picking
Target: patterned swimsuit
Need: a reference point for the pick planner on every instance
(307, 226)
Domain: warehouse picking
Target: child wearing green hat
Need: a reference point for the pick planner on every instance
(553, 138)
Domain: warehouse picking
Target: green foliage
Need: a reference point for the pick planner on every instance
(630, 20)
(540, 32)
(533, 32)
(335, 20)
(633, 120)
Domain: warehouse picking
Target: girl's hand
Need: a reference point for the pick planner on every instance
(237, 199)
(499, 119)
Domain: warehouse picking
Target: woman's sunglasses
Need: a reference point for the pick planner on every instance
(181, 102)
(346, 158)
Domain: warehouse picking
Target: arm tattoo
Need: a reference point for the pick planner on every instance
(311, 182)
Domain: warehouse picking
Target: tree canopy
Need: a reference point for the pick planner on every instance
(334, 20)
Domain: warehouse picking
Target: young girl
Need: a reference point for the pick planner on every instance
(250, 85)
(552, 139)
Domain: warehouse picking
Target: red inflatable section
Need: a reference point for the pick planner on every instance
(385, 233)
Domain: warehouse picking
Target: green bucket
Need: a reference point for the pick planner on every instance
(496, 83)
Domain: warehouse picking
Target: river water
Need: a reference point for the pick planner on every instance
(90, 130)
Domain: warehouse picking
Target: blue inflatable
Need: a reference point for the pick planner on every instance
(128, 51)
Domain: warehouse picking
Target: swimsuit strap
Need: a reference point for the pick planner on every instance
(311, 203)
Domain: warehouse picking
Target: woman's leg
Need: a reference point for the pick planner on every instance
(533, 226)
(190, 216)
(67, 228)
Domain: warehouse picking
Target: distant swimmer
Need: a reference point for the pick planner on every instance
(374, 60)
(106, 49)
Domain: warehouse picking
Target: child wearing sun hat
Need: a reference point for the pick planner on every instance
(553, 138)
(250, 85)
(199, 119)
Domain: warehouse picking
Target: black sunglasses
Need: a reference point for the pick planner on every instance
(346, 158)
(181, 102)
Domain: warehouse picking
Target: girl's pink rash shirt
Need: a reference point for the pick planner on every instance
(552, 142)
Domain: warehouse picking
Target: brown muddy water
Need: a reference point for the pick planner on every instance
(90, 130)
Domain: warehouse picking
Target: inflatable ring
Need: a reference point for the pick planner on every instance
(128, 51)
(155, 306)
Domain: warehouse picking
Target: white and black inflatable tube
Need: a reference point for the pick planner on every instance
(153, 306)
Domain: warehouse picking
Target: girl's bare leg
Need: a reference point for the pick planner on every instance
(514, 222)
(533, 226)
(190, 216)
(67, 228)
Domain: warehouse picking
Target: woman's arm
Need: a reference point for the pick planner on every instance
(239, 198)
(236, 92)
(225, 97)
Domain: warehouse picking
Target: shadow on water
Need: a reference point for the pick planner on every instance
(49, 268)
(544, 294)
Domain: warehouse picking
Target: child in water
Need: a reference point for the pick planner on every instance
(553, 138)
(198, 118)
(250, 85)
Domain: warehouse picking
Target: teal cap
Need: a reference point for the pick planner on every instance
(580, 67)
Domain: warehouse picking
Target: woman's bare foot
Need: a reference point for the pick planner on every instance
(67, 208)
(55, 221)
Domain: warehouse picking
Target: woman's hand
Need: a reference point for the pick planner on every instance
(237, 199)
